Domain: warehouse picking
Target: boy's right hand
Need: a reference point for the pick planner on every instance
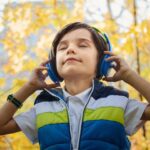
(37, 79)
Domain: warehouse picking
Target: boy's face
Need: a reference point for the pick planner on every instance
(76, 55)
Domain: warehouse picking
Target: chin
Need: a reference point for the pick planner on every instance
(75, 76)
(71, 73)
(71, 69)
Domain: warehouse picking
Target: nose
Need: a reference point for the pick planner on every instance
(71, 49)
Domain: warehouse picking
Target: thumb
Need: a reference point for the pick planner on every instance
(109, 79)
(53, 85)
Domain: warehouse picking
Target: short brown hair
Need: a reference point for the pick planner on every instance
(98, 40)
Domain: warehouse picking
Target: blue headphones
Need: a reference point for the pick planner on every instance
(52, 72)
(103, 68)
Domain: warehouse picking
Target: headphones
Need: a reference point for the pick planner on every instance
(103, 67)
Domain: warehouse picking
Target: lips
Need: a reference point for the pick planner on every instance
(71, 58)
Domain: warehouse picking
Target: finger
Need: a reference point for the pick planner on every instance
(108, 79)
(110, 53)
(113, 58)
(42, 68)
(115, 67)
(45, 75)
(52, 85)
(44, 63)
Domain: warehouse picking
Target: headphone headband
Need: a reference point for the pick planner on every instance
(105, 37)
(102, 34)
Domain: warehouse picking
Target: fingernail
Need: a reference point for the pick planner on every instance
(57, 83)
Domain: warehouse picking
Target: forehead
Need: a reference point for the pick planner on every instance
(76, 34)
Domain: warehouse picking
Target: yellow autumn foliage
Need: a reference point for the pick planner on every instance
(29, 30)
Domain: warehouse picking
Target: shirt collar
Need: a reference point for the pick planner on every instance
(82, 96)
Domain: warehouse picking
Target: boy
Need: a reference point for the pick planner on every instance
(84, 114)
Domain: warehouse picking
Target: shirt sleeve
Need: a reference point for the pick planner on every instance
(133, 114)
(27, 123)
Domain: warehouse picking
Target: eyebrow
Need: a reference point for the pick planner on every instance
(79, 39)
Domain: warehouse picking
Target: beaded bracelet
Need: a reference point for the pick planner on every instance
(12, 99)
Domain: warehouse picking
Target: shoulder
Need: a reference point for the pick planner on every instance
(44, 96)
(110, 90)
(101, 90)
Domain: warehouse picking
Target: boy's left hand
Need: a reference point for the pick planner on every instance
(122, 68)
(124, 72)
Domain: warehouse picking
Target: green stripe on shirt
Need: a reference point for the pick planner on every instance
(51, 118)
(105, 113)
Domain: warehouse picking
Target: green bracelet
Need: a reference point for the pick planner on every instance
(12, 99)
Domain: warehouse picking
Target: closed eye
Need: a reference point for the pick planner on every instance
(83, 46)
(62, 48)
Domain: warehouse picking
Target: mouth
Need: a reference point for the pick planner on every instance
(72, 60)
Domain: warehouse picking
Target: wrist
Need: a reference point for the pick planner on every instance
(30, 87)
(23, 93)
(130, 75)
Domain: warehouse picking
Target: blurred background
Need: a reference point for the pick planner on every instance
(27, 28)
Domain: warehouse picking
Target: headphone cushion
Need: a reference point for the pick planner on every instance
(52, 72)
(105, 66)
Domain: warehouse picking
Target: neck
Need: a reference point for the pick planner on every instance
(74, 87)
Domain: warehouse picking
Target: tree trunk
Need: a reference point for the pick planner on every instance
(137, 53)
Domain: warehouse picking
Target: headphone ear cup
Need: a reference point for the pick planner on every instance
(52, 72)
(104, 66)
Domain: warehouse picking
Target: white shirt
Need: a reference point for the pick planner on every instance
(76, 106)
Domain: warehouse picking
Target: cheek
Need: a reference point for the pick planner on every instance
(90, 65)
(94, 62)
(58, 62)
(93, 59)
(58, 59)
